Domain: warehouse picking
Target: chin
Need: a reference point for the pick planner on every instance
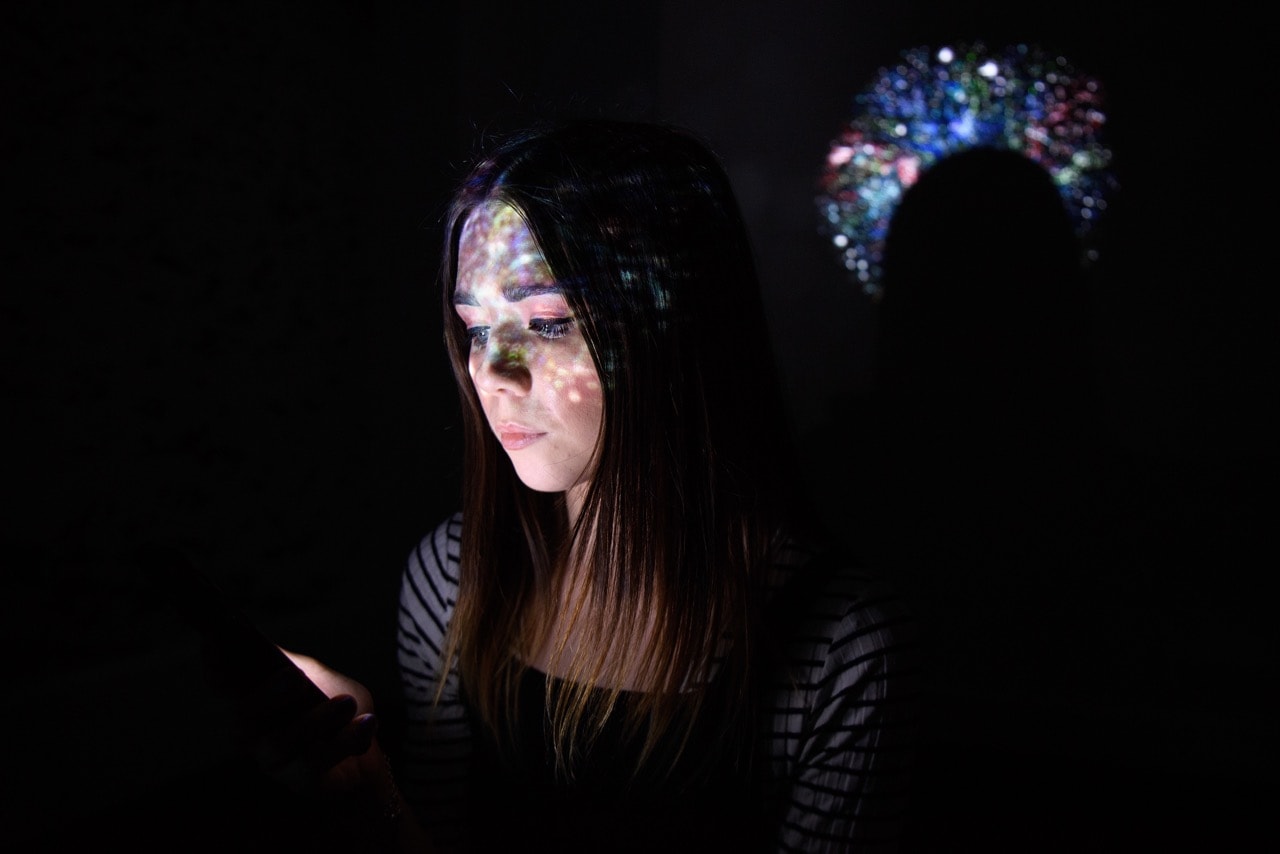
(541, 481)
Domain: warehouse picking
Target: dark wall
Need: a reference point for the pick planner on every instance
(221, 334)
(220, 327)
(223, 316)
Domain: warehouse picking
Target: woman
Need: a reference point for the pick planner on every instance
(628, 637)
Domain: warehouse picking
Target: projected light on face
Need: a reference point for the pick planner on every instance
(932, 104)
(529, 362)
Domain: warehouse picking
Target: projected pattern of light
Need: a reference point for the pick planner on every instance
(932, 104)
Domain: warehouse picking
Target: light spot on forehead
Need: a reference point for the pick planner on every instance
(497, 246)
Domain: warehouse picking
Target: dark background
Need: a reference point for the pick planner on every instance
(220, 329)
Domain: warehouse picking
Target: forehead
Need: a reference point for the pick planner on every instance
(497, 248)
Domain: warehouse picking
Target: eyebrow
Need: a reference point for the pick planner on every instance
(511, 293)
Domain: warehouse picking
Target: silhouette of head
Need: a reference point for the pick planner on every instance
(983, 301)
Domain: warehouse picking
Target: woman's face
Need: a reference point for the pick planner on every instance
(529, 362)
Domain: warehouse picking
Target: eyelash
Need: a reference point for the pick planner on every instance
(549, 328)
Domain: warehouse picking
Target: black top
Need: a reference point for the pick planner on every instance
(703, 804)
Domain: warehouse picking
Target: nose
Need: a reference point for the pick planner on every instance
(502, 367)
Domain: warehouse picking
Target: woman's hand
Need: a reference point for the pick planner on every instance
(313, 730)
(314, 741)
(332, 746)
(331, 682)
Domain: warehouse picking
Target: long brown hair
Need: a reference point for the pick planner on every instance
(640, 227)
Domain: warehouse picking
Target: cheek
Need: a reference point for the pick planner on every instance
(582, 411)
(571, 377)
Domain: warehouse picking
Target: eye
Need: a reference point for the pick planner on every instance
(478, 336)
(551, 327)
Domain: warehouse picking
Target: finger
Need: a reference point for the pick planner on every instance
(323, 723)
(328, 735)
(352, 740)
(330, 681)
(327, 717)
(284, 703)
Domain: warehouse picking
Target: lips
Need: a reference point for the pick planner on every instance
(516, 436)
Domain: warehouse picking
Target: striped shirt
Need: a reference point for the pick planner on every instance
(838, 723)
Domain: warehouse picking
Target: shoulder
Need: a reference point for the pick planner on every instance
(430, 579)
(438, 550)
(837, 618)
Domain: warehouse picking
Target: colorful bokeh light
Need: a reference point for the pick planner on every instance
(935, 102)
